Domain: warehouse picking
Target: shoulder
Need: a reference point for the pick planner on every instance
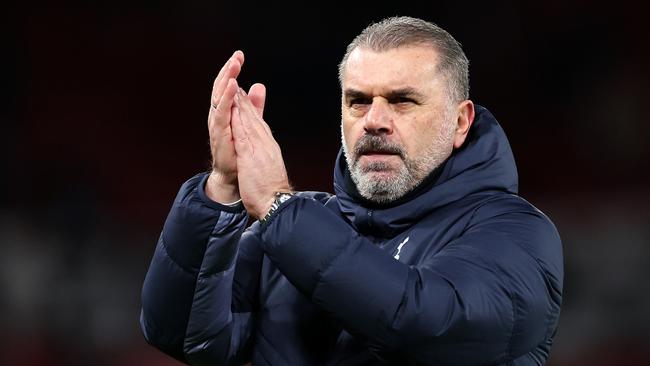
(513, 222)
(512, 209)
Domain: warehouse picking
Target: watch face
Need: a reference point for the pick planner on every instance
(283, 197)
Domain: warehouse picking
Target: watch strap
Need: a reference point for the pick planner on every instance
(280, 198)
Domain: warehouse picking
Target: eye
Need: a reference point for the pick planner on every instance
(402, 100)
(358, 102)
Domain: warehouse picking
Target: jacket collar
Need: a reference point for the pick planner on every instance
(484, 163)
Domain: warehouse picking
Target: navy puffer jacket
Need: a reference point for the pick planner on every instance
(461, 271)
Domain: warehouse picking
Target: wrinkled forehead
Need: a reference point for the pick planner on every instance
(412, 66)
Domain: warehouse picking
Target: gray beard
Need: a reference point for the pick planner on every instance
(412, 171)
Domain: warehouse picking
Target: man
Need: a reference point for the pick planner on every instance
(425, 255)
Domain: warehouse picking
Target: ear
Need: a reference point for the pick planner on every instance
(465, 118)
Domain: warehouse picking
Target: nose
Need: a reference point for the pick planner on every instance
(379, 118)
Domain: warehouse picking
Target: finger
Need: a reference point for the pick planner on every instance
(238, 56)
(220, 115)
(231, 73)
(231, 69)
(222, 71)
(239, 134)
(257, 95)
(247, 108)
(248, 116)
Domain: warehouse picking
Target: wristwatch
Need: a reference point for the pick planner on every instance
(280, 198)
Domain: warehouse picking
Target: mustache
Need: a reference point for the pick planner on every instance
(376, 144)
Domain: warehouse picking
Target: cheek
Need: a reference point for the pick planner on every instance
(418, 135)
(350, 132)
(409, 136)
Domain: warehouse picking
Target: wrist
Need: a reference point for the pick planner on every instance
(221, 189)
(279, 198)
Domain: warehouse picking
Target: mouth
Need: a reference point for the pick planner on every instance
(374, 153)
(379, 160)
(379, 153)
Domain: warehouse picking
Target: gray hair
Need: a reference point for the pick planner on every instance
(395, 32)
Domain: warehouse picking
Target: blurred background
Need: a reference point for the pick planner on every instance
(104, 118)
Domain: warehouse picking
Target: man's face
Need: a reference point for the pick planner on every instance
(397, 122)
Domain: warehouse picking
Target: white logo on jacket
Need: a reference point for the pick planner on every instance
(399, 248)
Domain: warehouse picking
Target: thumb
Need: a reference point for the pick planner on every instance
(257, 95)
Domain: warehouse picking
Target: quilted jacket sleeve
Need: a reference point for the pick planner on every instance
(198, 292)
(492, 295)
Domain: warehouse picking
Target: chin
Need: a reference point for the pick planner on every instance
(382, 176)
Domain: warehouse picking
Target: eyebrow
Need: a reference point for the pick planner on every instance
(406, 92)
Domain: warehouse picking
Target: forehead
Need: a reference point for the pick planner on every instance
(410, 66)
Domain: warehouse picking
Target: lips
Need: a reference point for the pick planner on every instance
(376, 147)
(379, 153)
(378, 157)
